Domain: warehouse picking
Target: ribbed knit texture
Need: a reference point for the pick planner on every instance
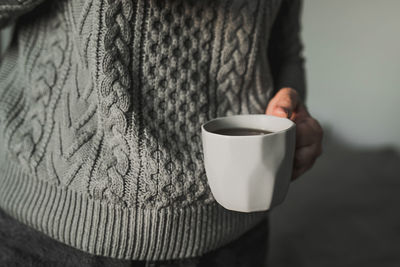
(101, 104)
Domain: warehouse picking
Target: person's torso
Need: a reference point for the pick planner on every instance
(130, 84)
(101, 104)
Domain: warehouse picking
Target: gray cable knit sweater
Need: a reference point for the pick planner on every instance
(101, 104)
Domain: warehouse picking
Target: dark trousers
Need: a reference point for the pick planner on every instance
(21, 245)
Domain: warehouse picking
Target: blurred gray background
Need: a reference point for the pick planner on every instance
(345, 211)
(353, 68)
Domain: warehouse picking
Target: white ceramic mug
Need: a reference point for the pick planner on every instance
(253, 172)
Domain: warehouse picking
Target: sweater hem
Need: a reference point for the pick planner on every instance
(106, 229)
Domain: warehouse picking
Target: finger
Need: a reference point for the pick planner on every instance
(284, 103)
(307, 156)
(305, 135)
(317, 129)
(275, 109)
(299, 172)
(308, 132)
(305, 160)
(280, 112)
(300, 114)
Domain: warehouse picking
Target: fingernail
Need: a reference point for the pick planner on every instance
(286, 111)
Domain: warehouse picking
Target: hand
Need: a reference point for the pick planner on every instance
(287, 104)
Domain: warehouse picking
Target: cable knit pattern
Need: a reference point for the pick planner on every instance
(240, 24)
(30, 138)
(101, 107)
(115, 98)
(176, 66)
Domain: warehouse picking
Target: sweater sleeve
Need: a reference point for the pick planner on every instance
(285, 49)
(10, 10)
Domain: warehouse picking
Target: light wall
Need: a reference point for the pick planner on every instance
(352, 50)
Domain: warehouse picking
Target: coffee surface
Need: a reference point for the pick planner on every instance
(241, 131)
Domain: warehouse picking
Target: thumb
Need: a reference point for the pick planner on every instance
(280, 111)
(284, 103)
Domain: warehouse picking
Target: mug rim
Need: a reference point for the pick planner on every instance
(292, 125)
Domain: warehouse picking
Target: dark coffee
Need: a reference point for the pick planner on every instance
(240, 131)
